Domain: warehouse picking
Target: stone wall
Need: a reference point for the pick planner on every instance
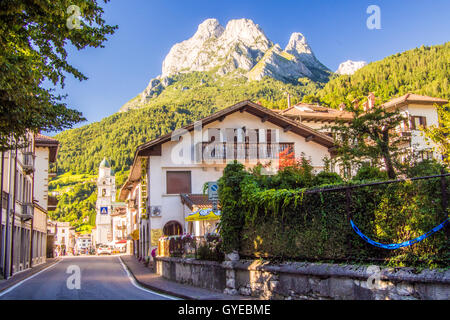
(204, 274)
(296, 280)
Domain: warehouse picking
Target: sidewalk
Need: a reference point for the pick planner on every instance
(17, 277)
(146, 278)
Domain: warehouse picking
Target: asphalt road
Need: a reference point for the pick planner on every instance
(101, 278)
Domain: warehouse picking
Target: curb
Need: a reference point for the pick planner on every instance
(154, 288)
(32, 271)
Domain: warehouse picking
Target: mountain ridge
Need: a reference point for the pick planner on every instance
(240, 49)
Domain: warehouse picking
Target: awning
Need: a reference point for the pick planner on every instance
(196, 201)
(203, 215)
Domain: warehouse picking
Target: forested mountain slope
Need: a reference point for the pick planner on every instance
(191, 97)
(424, 70)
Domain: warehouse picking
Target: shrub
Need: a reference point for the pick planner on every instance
(324, 177)
(229, 197)
(302, 225)
(298, 174)
(425, 168)
(367, 172)
(211, 249)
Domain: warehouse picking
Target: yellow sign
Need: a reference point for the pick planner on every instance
(203, 214)
(155, 235)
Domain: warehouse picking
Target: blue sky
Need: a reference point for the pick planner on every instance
(335, 30)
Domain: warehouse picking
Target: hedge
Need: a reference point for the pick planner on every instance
(295, 224)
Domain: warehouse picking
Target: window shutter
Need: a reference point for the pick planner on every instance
(178, 182)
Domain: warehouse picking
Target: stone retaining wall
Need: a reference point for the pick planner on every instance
(204, 274)
(296, 280)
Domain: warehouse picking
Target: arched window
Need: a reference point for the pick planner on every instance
(172, 228)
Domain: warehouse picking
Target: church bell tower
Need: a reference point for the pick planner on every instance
(106, 195)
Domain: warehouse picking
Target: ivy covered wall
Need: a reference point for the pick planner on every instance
(293, 224)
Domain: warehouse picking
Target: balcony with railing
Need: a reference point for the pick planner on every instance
(244, 151)
(26, 212)
(27, 162)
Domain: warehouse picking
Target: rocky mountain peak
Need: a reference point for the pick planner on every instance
(298, 44)
(241, 48)
(350, 67)
(208, 29)
(231, 48)
(246, 31)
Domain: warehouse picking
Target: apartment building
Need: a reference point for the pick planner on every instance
(419, 112)
(24, 206)
(167, 178)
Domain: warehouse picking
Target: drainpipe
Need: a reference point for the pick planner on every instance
(7, 245)
(14, 214)
(1, 207)
(7, 242)
(32, 203)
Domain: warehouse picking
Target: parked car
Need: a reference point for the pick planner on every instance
(104, 250)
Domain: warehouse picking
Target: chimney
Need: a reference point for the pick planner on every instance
(371, 100)
(342, 106)
(356, 103)
(289, 100)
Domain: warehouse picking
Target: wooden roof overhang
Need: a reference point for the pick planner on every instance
(153, 147)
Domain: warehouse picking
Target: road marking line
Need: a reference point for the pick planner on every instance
(26, 279)
(133, 281)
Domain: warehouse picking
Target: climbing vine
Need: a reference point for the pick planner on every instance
(295, 223)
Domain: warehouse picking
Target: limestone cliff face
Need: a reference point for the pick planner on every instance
(240, 48)
(238, 45)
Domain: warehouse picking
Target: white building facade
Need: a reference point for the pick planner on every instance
(24, 203)
(168, 170)
(168, 176)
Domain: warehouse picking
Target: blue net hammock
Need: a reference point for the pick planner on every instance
(398, 245)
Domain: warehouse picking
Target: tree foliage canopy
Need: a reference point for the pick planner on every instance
(371, 135)
(33, 39)
(440, 135)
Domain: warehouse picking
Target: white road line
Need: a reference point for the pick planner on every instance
(133, 281)
(26, 279)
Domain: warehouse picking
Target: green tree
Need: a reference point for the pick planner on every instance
(440, 135)
(33, 39)
(369, 136)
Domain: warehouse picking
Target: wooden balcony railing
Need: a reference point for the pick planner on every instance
(243, 151)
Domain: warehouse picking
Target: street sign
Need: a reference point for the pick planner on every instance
(213, 194)
(103, 210)
(213, 189)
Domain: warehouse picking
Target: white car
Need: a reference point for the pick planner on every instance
(104, 250)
